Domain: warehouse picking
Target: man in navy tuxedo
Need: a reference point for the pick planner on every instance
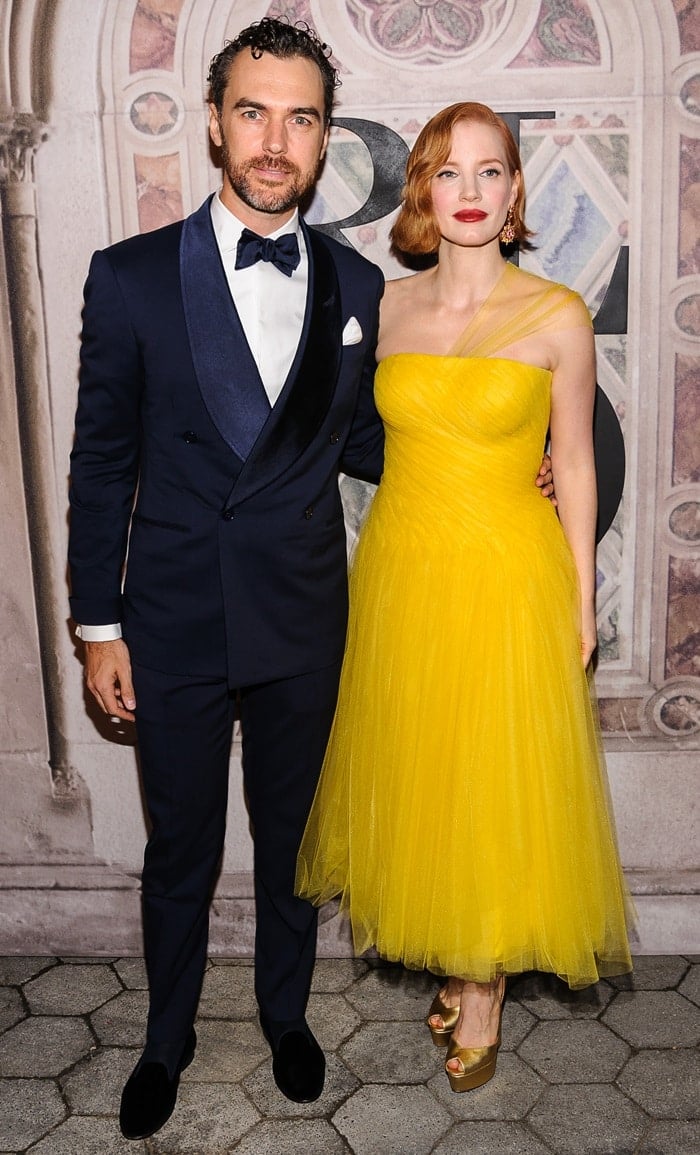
(226, 379)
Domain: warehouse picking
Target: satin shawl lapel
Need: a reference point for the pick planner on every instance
(228, 377)
(308, 391)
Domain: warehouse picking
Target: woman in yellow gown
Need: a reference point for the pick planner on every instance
(462, 811)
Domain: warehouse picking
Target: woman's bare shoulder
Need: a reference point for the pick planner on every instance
(403, 299)
(404, 292)
(397, 296)
(401, 287)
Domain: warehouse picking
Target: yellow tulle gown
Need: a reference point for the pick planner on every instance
(462, 813)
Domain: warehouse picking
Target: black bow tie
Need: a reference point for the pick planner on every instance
(283, 253)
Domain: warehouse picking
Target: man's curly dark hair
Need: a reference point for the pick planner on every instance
(280, 39)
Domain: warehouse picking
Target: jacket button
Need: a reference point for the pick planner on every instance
(190, 437)
(309, 512)
(335, 437)
(229, 514)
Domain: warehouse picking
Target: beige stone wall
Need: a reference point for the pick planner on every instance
(103, 134)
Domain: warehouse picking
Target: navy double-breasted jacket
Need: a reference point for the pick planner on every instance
(230, 510)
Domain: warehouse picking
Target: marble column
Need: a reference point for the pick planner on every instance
(19, 140)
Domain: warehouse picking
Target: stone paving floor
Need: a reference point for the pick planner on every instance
(613, 1069)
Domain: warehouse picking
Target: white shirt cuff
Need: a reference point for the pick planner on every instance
(99, 633)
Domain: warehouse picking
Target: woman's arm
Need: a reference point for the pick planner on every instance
(573, 465)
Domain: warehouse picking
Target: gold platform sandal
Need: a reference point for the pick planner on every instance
(478, 1063)
(449, 1016)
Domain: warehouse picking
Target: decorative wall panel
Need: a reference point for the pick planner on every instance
(590, 170)
(103, 133)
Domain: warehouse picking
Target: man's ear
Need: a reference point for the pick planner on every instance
(214, 125)
(324, 145)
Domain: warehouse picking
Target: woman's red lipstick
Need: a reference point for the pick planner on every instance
(470, 215)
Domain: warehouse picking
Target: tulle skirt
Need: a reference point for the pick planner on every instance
(462, 813)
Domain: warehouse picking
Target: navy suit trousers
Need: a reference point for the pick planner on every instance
(184, 727)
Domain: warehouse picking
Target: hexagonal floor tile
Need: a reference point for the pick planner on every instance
(512, 1092)
(71, 990)
(652, 973)
(95, 1085)
(331, 1019)
(17, 970)
(690, 987)
(122, 1021)
(227, 1051)
(132, 972)
(390, 993)
(301, 1137)
(517, 1024)
(547, 997)
(590, 1120)
(332, 975)
(379, 1119)
(11, 1008)
(261, 1088)
(228, 993)
(208, 1117)
(86, 1135)
(490, 1139)
(671, 1139)
(400, 1053)
(43, 1046)
(574, 1051)
(567, 1038)
(28, 1109)
(654, 1019)
(666, 1083)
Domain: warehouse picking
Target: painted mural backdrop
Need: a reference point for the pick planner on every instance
(542, 63)
(103, 133)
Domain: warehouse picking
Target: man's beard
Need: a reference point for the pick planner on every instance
(253, 193)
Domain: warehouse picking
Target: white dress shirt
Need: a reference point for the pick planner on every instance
(271, 308)
(270, 305)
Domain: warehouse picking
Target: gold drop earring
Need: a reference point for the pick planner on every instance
(507, 234)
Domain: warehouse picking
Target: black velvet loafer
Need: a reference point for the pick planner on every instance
(298, 1063)
(298, 1066)
(149, 1096)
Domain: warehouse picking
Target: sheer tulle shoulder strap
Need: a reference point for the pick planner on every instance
(519, 305)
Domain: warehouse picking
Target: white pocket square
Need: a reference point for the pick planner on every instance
(352, 333)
